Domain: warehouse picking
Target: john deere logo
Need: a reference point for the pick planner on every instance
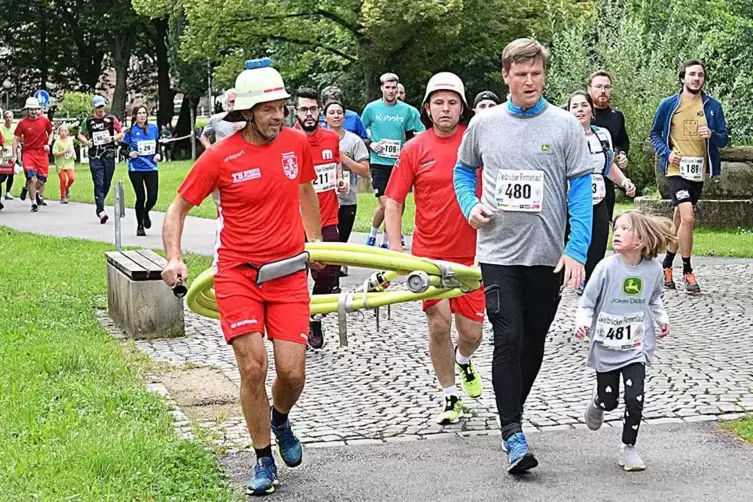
(545, 148)
(632, 286)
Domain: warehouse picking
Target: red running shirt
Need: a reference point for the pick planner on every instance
(325, 150)
(426, 163)
(259, 217)
(35, 133)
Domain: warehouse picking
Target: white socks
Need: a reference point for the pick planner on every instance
(450, 391)
(374, 232)
(460, 359)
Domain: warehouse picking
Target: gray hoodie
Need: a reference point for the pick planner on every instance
(620, 306)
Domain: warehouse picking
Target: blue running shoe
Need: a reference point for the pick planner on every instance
(385, 245)
(264, 479)
(402, 240)
(288, 446)
(520, 459)
(580, 289)
(371, 241)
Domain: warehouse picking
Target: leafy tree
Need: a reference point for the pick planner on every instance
(351, 42)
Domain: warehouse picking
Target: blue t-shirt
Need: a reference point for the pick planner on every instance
(388, 124)
(351, 123)
(146, 144)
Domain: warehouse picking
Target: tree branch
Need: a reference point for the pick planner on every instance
(333, 50)
(319, 12)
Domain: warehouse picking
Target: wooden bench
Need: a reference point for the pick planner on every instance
(138, 301)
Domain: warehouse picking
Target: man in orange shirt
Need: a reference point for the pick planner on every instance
(426, 163)
(325, 151)
(263, 176)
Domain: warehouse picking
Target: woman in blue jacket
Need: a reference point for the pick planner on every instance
(142, 141)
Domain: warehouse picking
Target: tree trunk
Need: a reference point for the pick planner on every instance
(42, 64)
(193, 135)
(166, 93)
(121, 47)
(90, 58)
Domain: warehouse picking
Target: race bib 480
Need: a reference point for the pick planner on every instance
(520, 190)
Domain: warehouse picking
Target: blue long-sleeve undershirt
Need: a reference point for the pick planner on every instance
(580, 207)
(464, 179)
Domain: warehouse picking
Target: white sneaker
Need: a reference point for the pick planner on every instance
(630, 460)
(8, 196)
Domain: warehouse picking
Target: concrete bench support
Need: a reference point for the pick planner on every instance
(138, 301)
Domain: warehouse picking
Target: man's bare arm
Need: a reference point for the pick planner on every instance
(312, 222)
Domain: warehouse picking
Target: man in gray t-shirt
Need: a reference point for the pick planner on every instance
(529, 152)
(218, 127)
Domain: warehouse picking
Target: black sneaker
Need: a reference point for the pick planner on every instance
(23, 193)
(147, 221)
(41, 201)
(316, 334)
(34, 208)
(103, 217)
(1, 206)
(140, 231)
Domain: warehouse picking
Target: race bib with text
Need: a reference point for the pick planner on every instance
(618, 332)
(326, 177)
(391, 148)
(148, 147)
(691, 168)
(520, 190)
(598, 188)
(100, 138)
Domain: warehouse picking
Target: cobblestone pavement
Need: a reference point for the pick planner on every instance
(382, 387)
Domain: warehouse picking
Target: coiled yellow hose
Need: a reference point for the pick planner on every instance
(427, 279)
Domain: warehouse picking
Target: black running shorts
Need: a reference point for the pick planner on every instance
(380, 176)
(682, 190)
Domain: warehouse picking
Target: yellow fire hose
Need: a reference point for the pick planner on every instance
(426, 280)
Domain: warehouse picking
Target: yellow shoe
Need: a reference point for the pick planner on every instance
(453, 410)
(470, 380)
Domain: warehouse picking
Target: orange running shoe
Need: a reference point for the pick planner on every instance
(691, 286)
(669, 283)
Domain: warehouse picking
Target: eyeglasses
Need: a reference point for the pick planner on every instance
(603, 87)
(312, 110)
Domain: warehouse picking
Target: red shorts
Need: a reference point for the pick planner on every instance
(36, 162)
(471, 305)
(279, 307)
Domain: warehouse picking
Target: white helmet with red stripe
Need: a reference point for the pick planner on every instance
(445, 81)
(258, 83)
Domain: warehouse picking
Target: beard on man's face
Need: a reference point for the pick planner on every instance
(308, 125)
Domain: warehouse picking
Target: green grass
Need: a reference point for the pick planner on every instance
(171, 174)
(708, 242)
(743, 427)
(75, 420)
(730, 242)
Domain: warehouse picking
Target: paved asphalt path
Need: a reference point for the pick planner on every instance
(685, 462)
(79, 220)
